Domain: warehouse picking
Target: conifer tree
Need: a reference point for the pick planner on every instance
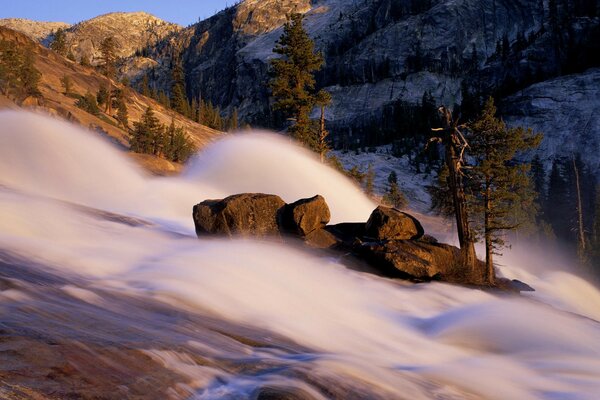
(293, 82)
(88, 103)
(122, 112)
(66, 83)
(102, 95)
(498, 181)
(147, 133)
(178, 99)
(108, 48)
(29, 75)
(370, 181)
(394, 196)
(59, 44)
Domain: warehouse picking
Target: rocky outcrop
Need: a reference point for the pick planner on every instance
(565, 110)
(386, 223)
(392, 242)
(36, 30)
(306, 215)
(249, 214)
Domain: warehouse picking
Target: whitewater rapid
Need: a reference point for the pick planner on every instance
(76, 207)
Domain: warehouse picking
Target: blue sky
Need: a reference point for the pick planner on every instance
(184, 12)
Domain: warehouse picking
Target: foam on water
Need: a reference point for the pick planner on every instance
(382, 331)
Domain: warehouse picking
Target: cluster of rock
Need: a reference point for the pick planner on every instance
(391, 241)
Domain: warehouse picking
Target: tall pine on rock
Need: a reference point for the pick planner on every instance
(498, 182)
(293, 82)
(179, 100)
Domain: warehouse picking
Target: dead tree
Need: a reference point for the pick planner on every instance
(455, 145)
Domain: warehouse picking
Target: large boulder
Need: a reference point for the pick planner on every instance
(247, 214)
(386, 223)
(414, 259)
(306, 215)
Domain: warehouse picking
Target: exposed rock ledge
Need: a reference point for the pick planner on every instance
(391, 241)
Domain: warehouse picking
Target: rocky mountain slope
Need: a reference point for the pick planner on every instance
(37, 30)
(383, 54)
(53, 67)
(133, 31)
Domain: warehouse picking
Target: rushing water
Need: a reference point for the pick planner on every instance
(117, 245)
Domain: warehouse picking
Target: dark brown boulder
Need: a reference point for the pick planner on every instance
(322, 239)
(306, 215)
(248, 214)
(386, 223)
(414, 259)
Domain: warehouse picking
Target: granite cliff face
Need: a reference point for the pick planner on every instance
(565, 109)
(384, 53)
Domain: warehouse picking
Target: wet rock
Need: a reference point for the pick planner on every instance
(248, 214)
(386, 223)
(322, 239)
(414, 259)
(306, 215)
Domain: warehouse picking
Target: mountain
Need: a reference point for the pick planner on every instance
(37, 30)
(53, 67)
(384, 54)
(132, 31)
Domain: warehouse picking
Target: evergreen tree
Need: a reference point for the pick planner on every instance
(29, 75)
(88, 103)
(66, 83)
(234, 121)
(178, 99)
(108, 49)
(122, 113)
(293, 82)
(102, 95)
(59, 44)
(323, 98)
(370, 181)
(19, 78)
(144, 87)
(499, 183)
(393, 195)
(147, 134)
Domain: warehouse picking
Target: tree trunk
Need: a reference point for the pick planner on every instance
(490, 275)
(581, 248)
(466, 242)
(322, 135)
(109, 99)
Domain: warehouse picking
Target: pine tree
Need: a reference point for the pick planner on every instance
(234, 121)
(393, 195)
(178, 99)
(370, 181)
(147, 134)
(59, 44)
(122, 113)
(29, 75)
(66, 83)
(498, 182)
(293, 82)
(144, 87)
(88, 103)
(102, 95)
(323, 98)
(108, 48)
